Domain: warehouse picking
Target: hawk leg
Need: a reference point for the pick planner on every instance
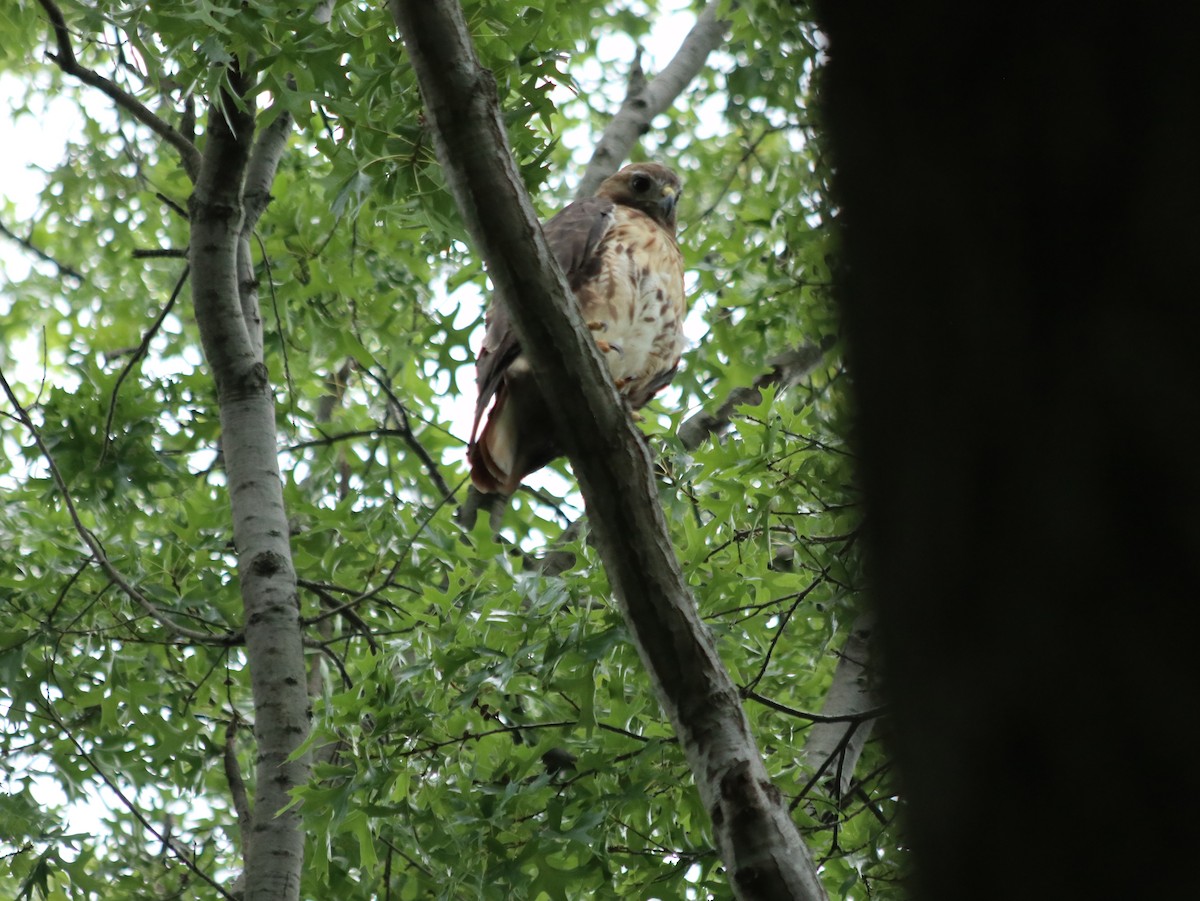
(605, 346)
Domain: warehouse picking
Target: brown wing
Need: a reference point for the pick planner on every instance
(516, 438)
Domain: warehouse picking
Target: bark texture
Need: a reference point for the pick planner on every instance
(1021, 259)
(755, 837)
(226, 304)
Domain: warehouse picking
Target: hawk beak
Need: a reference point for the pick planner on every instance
(667, 204)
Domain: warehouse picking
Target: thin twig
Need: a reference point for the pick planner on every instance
(388, 580)
(165, 838)
(779, 632)
(63, 268)
(336, 608)
(138, 354)
(472, 736)
(66, 60)
(816, 777)
(173, 206)
(863, 716)
(93, 543)
(406, 433)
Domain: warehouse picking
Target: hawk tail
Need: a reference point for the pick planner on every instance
(491, 456)
(517, 438)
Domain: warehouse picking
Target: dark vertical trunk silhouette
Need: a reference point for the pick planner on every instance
(1021, 219)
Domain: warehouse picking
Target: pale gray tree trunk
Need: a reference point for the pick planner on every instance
(226, 304)
(232, 179)
(755, 837)
(833, 748)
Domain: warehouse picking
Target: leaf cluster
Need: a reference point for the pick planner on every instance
(482, 726)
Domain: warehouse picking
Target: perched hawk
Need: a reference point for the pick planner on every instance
(619, 254)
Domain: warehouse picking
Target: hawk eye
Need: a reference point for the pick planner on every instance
(640, 183)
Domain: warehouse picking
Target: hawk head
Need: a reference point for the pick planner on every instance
(649, 187)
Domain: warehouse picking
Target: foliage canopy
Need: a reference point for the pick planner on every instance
(445, 664)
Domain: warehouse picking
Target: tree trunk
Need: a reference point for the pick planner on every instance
(1021, 247)
(230, 328)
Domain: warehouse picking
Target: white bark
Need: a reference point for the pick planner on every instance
(226, 313)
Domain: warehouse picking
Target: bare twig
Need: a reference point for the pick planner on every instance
(93, 543)
(162, 836)
(63, 268)
(860, 717)
(138, 354)
(780, 630)
(67, 61)
(408, 436)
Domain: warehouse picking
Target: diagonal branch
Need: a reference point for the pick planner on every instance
(786, 370)
(63, 268)
(409, 437)
(67, 61)
(163, 836)
(265, 155)
(137, 356)
(753, 833)
(641, 106)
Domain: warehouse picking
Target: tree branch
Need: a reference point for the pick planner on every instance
(787, 370)
(859, 716)
(138, 354)
(62, 268)
(237, 785)
(66, 60)
(641, 106)
(754, 834)
(268, 149)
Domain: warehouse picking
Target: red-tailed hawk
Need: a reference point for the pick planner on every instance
(619, 254)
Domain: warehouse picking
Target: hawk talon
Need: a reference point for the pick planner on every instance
(606, 346)
(598, 326)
